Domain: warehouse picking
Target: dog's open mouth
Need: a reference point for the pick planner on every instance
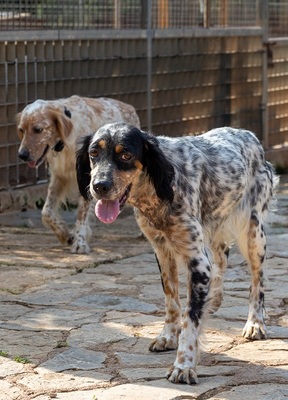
(34, 164)
(108, 210)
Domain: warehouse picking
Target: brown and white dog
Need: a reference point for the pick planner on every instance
(50, 130)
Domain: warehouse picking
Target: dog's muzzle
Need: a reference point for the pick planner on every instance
(24, 155)
(108, 210)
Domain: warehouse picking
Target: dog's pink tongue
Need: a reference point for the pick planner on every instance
(32, 164)
(107, 210)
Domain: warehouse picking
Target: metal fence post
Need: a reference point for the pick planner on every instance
(149, 64)
(264, 106)
(117, 14)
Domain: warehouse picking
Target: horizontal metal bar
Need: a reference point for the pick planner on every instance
(11, 36)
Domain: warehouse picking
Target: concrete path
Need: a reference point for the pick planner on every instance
(78, 327)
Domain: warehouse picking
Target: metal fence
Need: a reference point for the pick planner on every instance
(278, 18)
(132, 14)
(181, 81)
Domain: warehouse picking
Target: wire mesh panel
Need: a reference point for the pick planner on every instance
(199, 13)
(126, 14)
(179, 82)
(202, 83)
(18, 83)
(278, 95)
(72, 14)
(132, 14)
(278, 18)
(54, 69)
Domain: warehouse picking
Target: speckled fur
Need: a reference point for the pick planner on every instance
(43, 124)
(193, 198)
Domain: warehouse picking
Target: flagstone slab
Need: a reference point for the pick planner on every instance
(73, 358)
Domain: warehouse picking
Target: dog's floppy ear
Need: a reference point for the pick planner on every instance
(159, 169)
(62, 121)
(17, 118)
(83, 168)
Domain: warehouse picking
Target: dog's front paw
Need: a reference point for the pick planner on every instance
(163, 343)
(254, 331)
(80, 247)
(179, 375)
(65, 237)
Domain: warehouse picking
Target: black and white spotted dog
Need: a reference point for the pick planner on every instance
(193, 197)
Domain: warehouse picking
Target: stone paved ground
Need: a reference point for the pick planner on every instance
(77, 327)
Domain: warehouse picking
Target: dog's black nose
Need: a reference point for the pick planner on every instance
(102, 187)
(24, 155)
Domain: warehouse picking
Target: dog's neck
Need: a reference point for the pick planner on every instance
(143, 197)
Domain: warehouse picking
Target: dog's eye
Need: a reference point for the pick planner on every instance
(94, 153)
(126, 156)
(37, 130)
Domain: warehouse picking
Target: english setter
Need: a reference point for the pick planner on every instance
(50, 129)
(193, 197)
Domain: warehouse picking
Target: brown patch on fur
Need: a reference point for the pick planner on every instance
(102, 144)
(173, 315)
(138, 165)
(97, 107)
(118, 148)
(181, 357)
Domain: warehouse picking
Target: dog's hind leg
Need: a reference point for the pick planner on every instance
(252, 244)
(220, 253)
(255, 256)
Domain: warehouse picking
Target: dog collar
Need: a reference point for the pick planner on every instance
(59, 146)
(67, 112)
